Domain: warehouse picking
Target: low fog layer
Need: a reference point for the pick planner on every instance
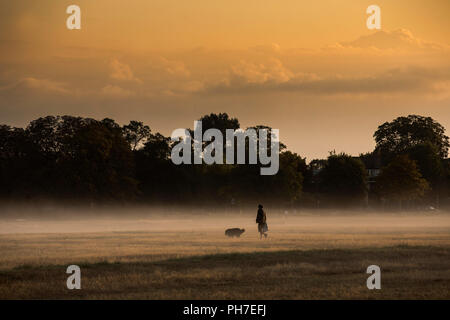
(165, 220)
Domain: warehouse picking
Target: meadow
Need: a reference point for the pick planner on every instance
(151, 256)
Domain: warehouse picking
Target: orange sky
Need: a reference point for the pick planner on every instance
(309, 68)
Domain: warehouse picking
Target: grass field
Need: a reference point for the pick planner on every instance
(188, 257)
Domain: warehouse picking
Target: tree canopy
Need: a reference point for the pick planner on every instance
(344, 177)
(398, 136)
(401, 180)
(88, 160)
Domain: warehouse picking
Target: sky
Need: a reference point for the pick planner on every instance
(311, 69)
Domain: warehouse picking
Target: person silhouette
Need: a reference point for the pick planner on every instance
(261, 220)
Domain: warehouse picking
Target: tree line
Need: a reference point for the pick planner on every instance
(76, 159)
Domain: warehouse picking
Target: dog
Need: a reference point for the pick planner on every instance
(234, 232)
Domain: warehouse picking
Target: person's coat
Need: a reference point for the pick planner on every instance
(261, 216)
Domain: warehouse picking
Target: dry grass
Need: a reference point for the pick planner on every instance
(304, 258)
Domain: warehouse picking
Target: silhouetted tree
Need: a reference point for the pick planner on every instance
(398, 136)
(14, 161)
(284, 188)
(65, 157)
(76, 158)
(401, 180)
(429, 162)
(270, 136)
(447, 179)
(100, 164)
(221, 121)
(157, 147)
(423, 140)
(136, 134)
(159, 179)
(344, 179)
(287, 183)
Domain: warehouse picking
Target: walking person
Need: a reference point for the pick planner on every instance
(261, 220)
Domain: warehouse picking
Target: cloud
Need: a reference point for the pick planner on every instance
(397, 39)
(191, 86)
(175, 68)
(35, 85)
(273, 48)
(272, 71)
(411, 80)
(122, 72)
(352, 69)
(115, 92)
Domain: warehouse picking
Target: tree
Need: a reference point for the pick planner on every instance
(397, 137)
(136, 134)
(14, 158)
(100, 165)
(447, 177)
(246, 184)
(343, 178)
(159, 178)
(73, 157)
(429, 163)
(401, 180)
(50, 134)
(270, 135)
(221, 121)
(311, 175)
(157, 147)
(371, 160)
(288, 182)
(49, 143)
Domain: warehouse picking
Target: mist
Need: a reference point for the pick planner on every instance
(56, 219)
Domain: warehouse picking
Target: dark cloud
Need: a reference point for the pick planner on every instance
(405, 80)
